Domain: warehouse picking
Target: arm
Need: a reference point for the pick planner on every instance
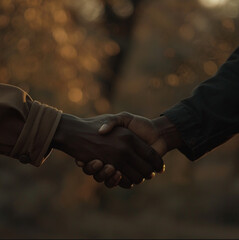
(26, 126)
(29, 130)
(211, 115)
(195, 125)
(121, 149)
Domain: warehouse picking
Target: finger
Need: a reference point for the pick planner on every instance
(132, 174)
(149, 155)
(122, 119)
(156, 161)
(79, 163)
(107, 127)
(125, 183)
(107, 171)
(113, 180)
(93, 167)
(142, 166)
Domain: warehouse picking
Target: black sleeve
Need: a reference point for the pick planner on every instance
(211, 115)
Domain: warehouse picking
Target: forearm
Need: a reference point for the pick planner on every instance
(14, 107)
(210, 116)
(27, 127)
(68, 128)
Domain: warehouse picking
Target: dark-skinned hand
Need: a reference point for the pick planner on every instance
(124, 158)
(160, 133)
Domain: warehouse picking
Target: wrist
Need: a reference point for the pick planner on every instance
(58, 138)
(61, 136)
(168, 131)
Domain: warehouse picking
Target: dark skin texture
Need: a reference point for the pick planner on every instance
(120, 149)
(160, 133)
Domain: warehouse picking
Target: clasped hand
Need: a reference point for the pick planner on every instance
(122, 149)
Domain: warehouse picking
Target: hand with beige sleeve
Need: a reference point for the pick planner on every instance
(159, 133)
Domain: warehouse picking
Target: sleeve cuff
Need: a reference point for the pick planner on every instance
(33, 144)
(189, 128)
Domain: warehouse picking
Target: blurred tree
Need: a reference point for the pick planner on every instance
(119, 20)
(70, 53)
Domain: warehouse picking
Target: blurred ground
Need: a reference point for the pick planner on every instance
(90, 57)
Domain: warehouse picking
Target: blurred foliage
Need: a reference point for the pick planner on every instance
(60, 46)
(89, 57)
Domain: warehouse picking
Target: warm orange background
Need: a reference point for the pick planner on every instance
(74, 55)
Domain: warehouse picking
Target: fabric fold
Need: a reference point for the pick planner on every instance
(33, 144)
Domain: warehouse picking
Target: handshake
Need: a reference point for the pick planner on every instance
(121, 149)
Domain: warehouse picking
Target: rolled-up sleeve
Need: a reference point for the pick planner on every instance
(27, 127)
(211, 115)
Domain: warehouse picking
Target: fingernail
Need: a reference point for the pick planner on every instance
(96, 165)
(103, 127)
(153, 174)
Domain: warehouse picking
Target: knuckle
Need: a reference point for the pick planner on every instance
(108, 119)
(125, 114)
(107, 165)
(108, 171)
(125, 118)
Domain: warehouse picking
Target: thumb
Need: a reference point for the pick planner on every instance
(107, 127)
(122, 119)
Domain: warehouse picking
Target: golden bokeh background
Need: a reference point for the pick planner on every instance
(89, 57)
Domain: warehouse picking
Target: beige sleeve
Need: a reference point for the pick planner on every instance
(26, 126)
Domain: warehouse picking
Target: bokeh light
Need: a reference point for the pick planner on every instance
(213, 3)
(91, 57)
